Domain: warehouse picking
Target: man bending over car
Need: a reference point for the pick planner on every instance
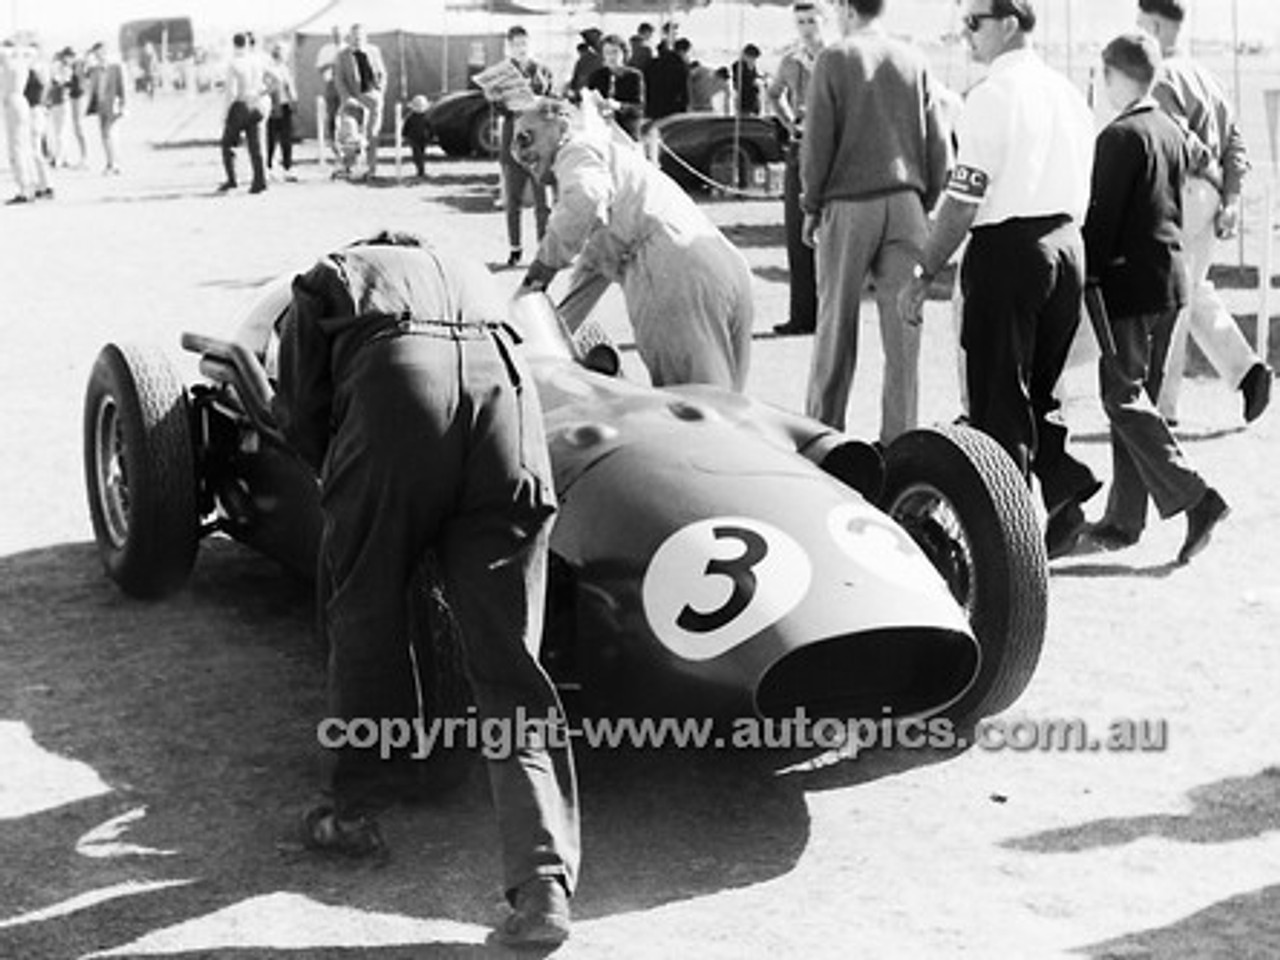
(400, 385)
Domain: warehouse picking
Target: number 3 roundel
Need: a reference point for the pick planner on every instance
(716, 583)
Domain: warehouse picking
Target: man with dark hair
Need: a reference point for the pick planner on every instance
(245, 87)
(873, 161)
(400, 384)
(746, 82)
(1020, 189)
(515, 179)
(588, 62)
(1211, 211)
(641, 49)
(1133, 248)
(787, 96)
(666, 79)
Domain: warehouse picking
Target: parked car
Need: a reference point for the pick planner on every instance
(465, 124)
(707, 151)
(712, 556)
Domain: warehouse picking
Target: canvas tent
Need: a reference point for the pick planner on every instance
(429, 46)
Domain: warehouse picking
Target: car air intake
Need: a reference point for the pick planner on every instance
(895, 672)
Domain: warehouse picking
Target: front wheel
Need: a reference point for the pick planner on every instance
(140, 470)
(964, 503)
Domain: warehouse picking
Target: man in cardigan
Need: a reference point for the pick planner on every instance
(360, 74)
(873, 160)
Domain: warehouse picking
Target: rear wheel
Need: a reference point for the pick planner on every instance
(140, 470)
(959, 496)
(732, 164)
(486, 133)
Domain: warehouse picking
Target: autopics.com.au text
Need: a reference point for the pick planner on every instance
(500, 737)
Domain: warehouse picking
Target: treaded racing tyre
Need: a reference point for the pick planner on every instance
(962, 500)
(140, 470)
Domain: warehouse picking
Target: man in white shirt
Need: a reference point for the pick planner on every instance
(1020, 189)
(245, 89)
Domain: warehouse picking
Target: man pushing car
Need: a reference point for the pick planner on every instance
(687, 288)
(400, 385)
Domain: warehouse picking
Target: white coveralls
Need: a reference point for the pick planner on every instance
(687, 288)
(15, 65)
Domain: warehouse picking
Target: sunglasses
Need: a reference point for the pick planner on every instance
(973, 21)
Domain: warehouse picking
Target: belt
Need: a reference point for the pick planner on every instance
(409, 325)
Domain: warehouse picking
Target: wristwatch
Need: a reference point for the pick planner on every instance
(921, 274)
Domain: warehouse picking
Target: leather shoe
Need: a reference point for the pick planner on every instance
(1256, 388)
(1105, 537)
(1062, 532)
(790, 329)
(1208, 512)
(540, 917)
(516, 255)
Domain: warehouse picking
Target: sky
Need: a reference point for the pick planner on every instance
(79, 21)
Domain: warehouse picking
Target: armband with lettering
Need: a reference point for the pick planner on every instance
(967, 183)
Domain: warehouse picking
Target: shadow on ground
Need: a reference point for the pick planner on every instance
(1225, 811)
(201, 709)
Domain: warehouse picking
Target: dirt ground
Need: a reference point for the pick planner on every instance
(152, 755)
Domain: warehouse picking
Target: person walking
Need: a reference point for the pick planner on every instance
(326, 58)
(786, 95)
(873, 160)
(1211, 212)
(402, 387)
(1133, 249)
(1019, 190)
(361, 75)
(687, 288)
(244, 91)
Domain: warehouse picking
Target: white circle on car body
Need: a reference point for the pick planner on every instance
(716, 583)
(877, 543)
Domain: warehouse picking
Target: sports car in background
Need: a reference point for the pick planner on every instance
(465, 124)
(708, 151)
(712, 555)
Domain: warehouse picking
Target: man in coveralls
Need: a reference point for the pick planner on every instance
(400, 385)
(618, 217)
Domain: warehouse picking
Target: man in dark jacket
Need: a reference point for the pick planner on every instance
(666, 78)
(1133, 249)
(401, 386)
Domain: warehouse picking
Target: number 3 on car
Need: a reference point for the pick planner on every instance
(717, 583)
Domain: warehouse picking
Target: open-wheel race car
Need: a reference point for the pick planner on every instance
(712, 555)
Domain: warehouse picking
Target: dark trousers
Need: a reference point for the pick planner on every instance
(514, 178)
(419, 150)
(1145, 458)
(1023, 284)
(243, 119)
(440, 444)
(280, 133)
(804, 285)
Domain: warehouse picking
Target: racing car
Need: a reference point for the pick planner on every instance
(713, 555)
